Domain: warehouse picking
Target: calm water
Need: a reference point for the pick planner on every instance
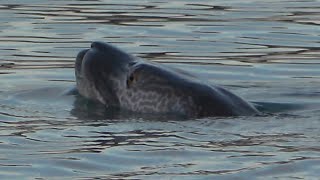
(265, 51)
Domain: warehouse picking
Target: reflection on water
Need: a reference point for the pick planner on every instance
(267, 52)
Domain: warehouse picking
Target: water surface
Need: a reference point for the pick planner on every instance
(266, 52)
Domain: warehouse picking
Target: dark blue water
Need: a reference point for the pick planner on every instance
(267, 52)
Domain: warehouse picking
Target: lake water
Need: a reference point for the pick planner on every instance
(265, 51)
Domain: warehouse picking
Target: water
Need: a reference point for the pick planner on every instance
(267, 52)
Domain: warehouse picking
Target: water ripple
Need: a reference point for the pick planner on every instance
(266, 51)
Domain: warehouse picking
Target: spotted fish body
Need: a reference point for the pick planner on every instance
(152, 93)
(107, 74)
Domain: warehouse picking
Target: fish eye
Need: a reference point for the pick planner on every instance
(131, 79)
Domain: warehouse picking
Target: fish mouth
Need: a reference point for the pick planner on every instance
(95, 46)
(78, 63)
(101, 56)
(99, 70)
